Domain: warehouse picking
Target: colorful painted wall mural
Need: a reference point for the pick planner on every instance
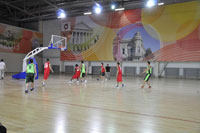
(162, 33)
(18, 40)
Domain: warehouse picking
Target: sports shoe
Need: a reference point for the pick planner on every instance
(149, 87)
(26, 91)
(117, 86)
(77, 82)
(142, 86)
(32, 89)
(43, 83)
(85, 81)
(70, 82)
(122, 85)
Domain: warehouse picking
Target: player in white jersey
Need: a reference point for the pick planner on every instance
(2, 68)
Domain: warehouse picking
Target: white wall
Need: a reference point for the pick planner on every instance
(123, 64)
(180, 65)
(158, 66)
(51, 27)
(14, 61)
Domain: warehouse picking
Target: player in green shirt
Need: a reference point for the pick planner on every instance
(30, 75)
(83, 72)
(148, 72)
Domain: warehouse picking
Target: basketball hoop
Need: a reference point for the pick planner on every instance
(58, 42)
(62, 49)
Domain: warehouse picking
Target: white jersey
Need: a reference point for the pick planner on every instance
(2, 65)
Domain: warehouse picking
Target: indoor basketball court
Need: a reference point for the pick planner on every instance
(120, 66)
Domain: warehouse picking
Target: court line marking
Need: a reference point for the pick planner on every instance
(112, 110)
(121, 111)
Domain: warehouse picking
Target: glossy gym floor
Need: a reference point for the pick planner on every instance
(170, 106)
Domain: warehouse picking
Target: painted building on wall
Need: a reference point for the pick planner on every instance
(129, 49)
(135, 48)
(82, 38)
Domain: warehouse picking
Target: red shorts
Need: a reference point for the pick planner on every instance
(76, 75)
(46, 75)
(119, 77)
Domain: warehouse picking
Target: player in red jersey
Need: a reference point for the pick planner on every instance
(47, 69)
(119, 75)
(102, 70)
(77, 74)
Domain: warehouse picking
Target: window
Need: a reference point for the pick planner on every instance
(123, 51)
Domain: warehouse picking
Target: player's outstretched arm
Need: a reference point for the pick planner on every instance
(51, 68)
(145, 70)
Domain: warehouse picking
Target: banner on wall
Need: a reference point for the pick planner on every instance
(18, 40)
(163, 33)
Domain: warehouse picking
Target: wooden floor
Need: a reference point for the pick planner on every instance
(171, 106)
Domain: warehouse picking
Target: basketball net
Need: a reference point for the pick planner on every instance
(58, 42)
(62, 48)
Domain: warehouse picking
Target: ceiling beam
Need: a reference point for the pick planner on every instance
(13, 6)
(9, 18)
(15, 1)
(73, 12)
(9, 10)
(46, 1)
(65, 5)
(74, 8)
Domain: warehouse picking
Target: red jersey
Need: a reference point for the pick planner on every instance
(46, 70)
(77, 73)
(77, 69)
(102, 69)
(119, 70)
(119, 76)
(46, 67)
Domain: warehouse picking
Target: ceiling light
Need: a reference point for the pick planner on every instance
(97, 8)
(151, 3)
(61, 14)
(113, 6)
(87, 13)
(119, 9)
(161, 3)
